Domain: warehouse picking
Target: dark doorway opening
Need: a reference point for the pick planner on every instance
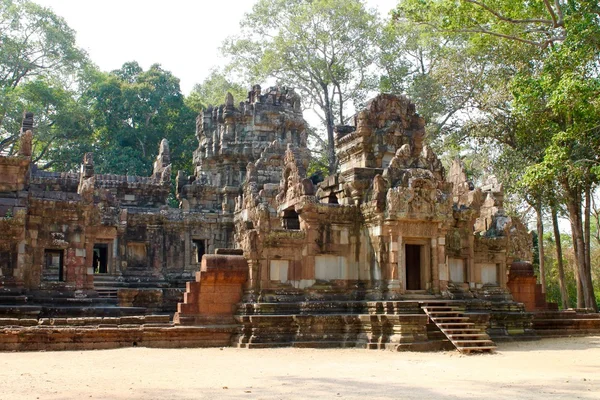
(100, 259)
(53, 266)
(199, 249)
(413, 266)
(291, 219)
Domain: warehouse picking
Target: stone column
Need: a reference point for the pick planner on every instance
(401, 264)
(471, 277)
(393, 283)
(444, 273)
(435, 268)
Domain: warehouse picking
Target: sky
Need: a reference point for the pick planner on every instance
(183, 36)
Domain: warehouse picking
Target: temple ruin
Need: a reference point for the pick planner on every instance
(392, 252)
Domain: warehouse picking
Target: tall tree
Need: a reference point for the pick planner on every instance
(323, 48)
(132, 111)
(554, 98)
(212, 91)
(39, 65)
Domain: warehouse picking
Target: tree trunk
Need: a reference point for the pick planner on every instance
(330, 123)
(584, 273)
(540, 233)
(580, 302)
(564, 295)
(587, 236)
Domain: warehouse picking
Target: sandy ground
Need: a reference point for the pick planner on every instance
(550, 368)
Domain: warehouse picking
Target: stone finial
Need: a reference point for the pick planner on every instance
(27, 124)
(26, 139)
(163, 160)
(87, 179)
(164, 148)
(180, 181)
(229, 100)
(87, 167)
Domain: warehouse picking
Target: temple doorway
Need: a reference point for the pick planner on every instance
(413, 266)
(100, 259)
(199, 247)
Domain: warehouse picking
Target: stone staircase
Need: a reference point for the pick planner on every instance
(466, 336)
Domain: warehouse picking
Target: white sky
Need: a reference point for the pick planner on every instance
(183, 36)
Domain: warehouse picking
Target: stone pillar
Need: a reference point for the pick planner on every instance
(401, 264)
(393, 283)
(435, 268)
(471, 275)
(444, 273)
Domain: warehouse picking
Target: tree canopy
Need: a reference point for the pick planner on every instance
(40, 71)
(132, 110)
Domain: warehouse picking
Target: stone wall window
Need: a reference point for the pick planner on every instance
(291, 219)
(100, 258)
(199, 249)
(53, 266)
(332, 198)
(6, 263)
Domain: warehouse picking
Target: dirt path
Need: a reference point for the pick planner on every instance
(550, 368)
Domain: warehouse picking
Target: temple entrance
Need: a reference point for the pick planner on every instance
(413, 266)
(53, 266)
(100, 259)
(199, 250)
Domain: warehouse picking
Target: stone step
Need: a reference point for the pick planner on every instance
(473, 341)
(477, 349)
(463, 335)
(453, 330)
(446, 312)
(19, 310)
(444, 306)
(13, 300)
(466, 335)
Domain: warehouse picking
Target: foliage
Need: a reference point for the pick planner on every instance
(40, 69)
(570, 262)
(323, 48)
(212, 91)
(132, 111)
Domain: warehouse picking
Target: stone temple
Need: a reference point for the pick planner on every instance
(391, 252)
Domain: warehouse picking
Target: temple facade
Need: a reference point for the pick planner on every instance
(390, 224)
(393, 225)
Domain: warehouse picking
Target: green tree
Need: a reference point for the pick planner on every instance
(39, 64)
(212, 91)
(132, 110)
(323, 48)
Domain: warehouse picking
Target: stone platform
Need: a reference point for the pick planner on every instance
(107, 333)
(566, 323)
